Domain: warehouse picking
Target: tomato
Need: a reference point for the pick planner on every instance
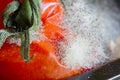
(45, 65)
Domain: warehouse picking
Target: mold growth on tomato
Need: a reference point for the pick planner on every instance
(34, 36)
(95, 23)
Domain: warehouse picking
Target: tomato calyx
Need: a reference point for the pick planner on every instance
(21, 18)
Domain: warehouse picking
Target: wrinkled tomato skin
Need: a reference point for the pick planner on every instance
(45, 64)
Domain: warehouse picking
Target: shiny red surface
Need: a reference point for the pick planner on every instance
(45, 64)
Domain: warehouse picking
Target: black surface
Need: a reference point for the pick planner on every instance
(117, 3)
(108, 71)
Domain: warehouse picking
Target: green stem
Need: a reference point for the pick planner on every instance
(25, 16)
(25, 45)
(63, 4)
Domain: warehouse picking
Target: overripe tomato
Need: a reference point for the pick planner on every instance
(45, 64)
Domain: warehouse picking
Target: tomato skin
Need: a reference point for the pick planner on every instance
(45, 64)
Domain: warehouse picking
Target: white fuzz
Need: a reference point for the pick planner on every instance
(34, 36)
(95, 22)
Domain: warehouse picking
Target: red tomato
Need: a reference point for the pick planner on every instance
(45, 64)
